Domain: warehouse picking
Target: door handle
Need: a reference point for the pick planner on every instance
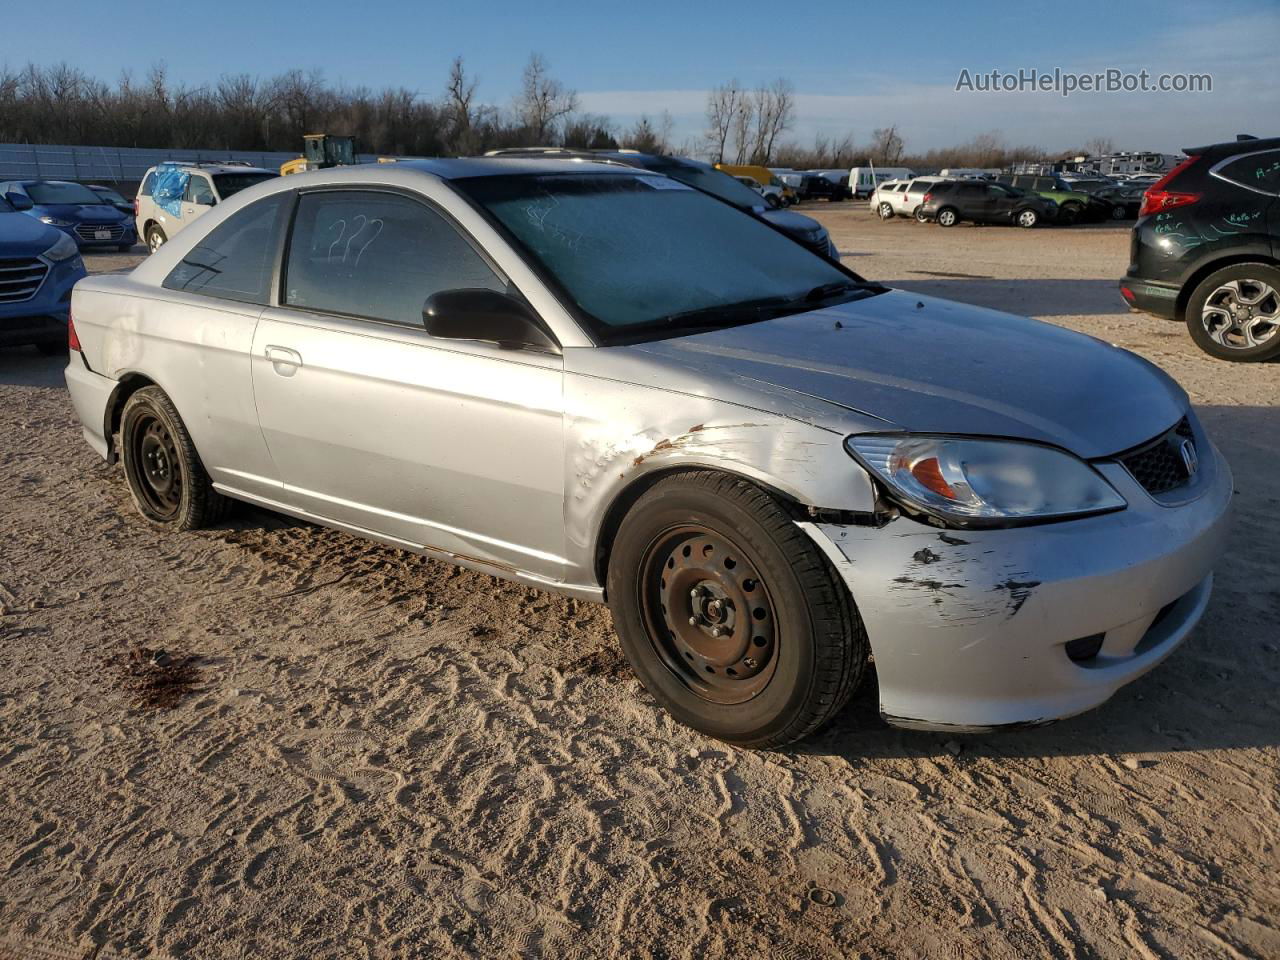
(285, 361)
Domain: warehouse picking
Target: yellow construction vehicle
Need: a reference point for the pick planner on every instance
(321, 151)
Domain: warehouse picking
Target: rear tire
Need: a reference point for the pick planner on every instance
(1232, 316)
(155, 238)
(947, 217)
(1026, 218)
(168, 482)
(773, 201)
(703, 551)
(886, 211)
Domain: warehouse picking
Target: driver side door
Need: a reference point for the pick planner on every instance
(454, 445)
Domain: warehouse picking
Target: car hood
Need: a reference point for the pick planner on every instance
(23, 236)
(796, 224)
(81, 212)
(935, 366)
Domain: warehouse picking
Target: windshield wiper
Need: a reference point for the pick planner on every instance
(724, 314)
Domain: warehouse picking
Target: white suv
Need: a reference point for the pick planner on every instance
(901, 198)
(174, 194)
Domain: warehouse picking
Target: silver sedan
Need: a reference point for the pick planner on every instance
(596, 380)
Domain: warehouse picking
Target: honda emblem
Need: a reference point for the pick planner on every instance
(1190, 459)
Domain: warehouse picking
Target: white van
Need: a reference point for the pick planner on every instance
(172, 195)
(863, 180)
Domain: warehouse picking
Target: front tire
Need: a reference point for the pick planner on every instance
(947, 217)
(730, 615)
(773, 201)
(1234, 313)
(168, 482)
(1069, 214)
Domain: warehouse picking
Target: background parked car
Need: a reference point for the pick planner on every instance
(950, 201)
(863, 180)
(762, 175)
(772, 195)
(1073, 205)
(1206, 249)
(113, 197)
(172, 195)
(814, 186)
(39, 264)
(901, 198)
(74, 209)
(1125, 200)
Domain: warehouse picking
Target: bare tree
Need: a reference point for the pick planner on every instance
(887, 146)
(722, 114)
(460, 91)
(774, 108)
(1099, 146)
(543, 100)
(648, 138)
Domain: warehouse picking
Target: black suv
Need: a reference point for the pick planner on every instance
(1206, 249)
(700, 176)
(951, 201)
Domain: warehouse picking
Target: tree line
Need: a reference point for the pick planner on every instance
(62, 104)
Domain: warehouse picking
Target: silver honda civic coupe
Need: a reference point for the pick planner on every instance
(596, 380)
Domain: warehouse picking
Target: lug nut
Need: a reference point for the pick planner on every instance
(716, 631)
(749, 663)
(695, 593)
(693, 621)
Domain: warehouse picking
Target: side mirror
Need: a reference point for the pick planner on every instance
(479, 314)
(19, 201)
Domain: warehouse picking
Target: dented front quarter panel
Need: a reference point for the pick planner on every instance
(629, 415)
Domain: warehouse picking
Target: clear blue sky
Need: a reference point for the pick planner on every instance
(855, 66)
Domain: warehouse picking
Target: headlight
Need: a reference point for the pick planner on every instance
(63, 248)
(991, 482)
(55, 222)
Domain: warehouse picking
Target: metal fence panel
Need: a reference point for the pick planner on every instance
(25, 161)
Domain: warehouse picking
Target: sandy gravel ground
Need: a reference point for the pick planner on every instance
(270, 740)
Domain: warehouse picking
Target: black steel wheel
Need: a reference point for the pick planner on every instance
(708, 613)
(731, 616)
(166, 478)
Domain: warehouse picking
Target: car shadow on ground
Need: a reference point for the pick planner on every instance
(28, 367)
(1037, 298)
(1217, 691)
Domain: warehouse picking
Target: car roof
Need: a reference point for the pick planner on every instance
(458, 168)
(215, 167)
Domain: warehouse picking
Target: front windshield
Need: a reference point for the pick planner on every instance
(229, 183)
(712, 181)
(6, 206)
(106, 193)
(637, 252)
(50, 191)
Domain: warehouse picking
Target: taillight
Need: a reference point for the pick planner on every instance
(926, 198)
(73, 342)
(135, 206)
(1157, 199)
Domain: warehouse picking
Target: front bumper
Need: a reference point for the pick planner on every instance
(42, 318)
(969, 628)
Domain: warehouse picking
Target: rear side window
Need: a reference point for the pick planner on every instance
(235, 261)
(944, 187)
(145, 189)
(378, 256)
(972, 190)
(1257, 171)
(199, 191)
(917, 186)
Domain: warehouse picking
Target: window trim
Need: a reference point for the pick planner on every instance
(1216, 171)
(284, 214)
(280, 278)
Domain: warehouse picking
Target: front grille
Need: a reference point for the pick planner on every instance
(1159, 465)
(89, 231)
(821, 246)
(20, 279)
